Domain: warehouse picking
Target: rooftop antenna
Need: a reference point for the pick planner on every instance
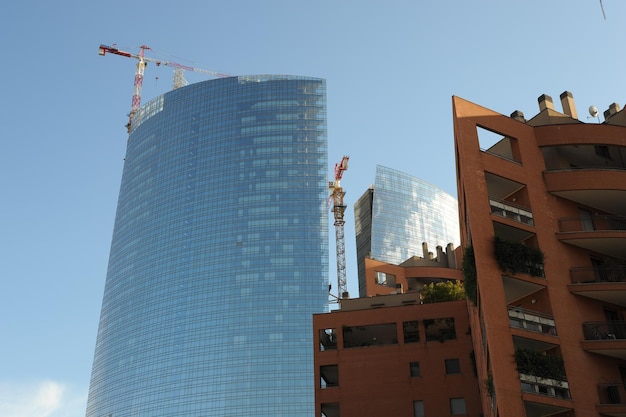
(602, 7)
(593, 112)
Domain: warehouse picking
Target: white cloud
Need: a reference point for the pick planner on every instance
(40, 399)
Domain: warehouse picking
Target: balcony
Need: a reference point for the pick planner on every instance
(607, 284)
(583, 156)
(543, 386)
(515, 257)
(592, 223)
(604, 330)
(606, 338)
(612, 393)
(370, 335)
(612, 399)
(543, 409)
(605, 234)
(601, 189)
(598, 274)
(532, 321)
(516, 288)
(511, 211)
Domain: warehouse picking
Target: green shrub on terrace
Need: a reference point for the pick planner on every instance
(443, 291)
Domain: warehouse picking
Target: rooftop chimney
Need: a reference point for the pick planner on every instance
(518, 115)
(439, 254)
(611, 111)
(567, 101)
(545, 102)
(450, 255)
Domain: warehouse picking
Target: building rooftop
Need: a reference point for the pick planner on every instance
(548, 115)
(378, 301)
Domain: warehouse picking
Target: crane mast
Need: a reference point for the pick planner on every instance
(136, 103)
(179, 79)
(339, 208)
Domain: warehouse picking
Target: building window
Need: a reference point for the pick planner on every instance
(330, 410)
(498, 144)
(383, 278)
(415, 369)
(457, 406)
(329, 376)
(418, 408)
(440, 329)
(411, 331)
(370, 335)
(453, 366)
(328, 339)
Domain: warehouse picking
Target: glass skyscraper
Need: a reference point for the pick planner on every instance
(400, 212)
(219, 254)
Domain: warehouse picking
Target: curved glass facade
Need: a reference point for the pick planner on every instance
(398, 214)
(219, 255)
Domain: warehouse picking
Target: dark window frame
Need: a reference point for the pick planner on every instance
(452, 366)
(414, 369)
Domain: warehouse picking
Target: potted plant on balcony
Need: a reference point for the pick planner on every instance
(537, 367)
(514, 257)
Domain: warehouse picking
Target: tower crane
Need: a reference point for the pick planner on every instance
(179, 79)
(339, 208)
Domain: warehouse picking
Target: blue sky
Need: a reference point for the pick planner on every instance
(391, 69)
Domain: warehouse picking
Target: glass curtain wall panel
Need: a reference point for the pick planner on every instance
(219, 254)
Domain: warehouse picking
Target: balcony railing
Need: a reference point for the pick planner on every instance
(532, 321)
(612, 393)
(604, 330)
(595, 274)
(592, 223)
(511, 211)
(543, 386)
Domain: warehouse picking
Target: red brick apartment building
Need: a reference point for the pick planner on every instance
(389, 355)
(543, 218)
(542, 208)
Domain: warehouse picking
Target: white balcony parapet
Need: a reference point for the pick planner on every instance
(532, 321)
(544, 386)
(513, 212)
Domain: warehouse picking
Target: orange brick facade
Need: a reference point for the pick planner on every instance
(387, 354)
(555, 186)
(542, 210)
(375, 380)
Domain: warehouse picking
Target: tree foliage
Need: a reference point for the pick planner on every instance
(469, 275)
(443, 291)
